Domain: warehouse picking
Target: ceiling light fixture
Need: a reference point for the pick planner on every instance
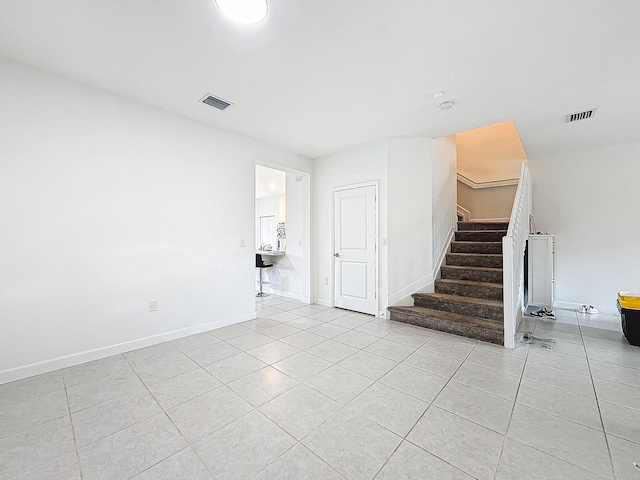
(446, 105)
(246, 12)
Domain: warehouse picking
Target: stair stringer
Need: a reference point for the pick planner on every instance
(427, 283)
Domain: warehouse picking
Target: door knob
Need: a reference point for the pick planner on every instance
(336, 254)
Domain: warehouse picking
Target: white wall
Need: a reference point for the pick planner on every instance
(416, 210)
(487, 203)
(443, 188)
(589, 199)
(360, 164)
(410, 217)
(291, 266)
(105, 204)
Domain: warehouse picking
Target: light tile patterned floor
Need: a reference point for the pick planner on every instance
(306, 392)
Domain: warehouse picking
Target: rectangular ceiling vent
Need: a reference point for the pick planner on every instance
(574, 117)
(216, 102)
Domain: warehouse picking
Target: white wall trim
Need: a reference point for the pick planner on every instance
(281, 293)
(437, 265)
(575, 306)
(324, 303)
(464, 213)
(426, 283)
(422, 284)
(504, 182)
(45, 366)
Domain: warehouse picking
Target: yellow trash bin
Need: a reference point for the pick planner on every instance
(629, 308)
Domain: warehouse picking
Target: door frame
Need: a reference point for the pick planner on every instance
(371, 183)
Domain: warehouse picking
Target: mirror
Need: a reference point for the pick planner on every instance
(268, 235)
(271, 208)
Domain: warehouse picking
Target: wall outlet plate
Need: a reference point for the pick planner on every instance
(153, 305)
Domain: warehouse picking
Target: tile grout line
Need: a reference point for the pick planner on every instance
(73, 429)
(595, 392)
(403, 439)
(560, 417)
(344, 406)
(164, 412)
(513, 408)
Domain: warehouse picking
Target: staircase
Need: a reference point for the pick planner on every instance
(468, 296)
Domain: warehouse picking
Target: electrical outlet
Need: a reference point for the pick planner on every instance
(243, 243)
(384, 242)
(153, 305)
(326, 281)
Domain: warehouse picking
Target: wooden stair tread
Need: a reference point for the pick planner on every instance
(477, 269)
(457, 298)
(493, 255)
(453, 317)
(463, 242)
(472, 279)
(470, 283)
(472, 225)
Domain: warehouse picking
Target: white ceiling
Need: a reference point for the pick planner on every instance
(319, 76)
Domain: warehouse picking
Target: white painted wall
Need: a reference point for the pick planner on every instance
(443, 194)
(416, 213)
(359, 164)
(489, 203)
(106, 203)
(291, 265)
(589, 199)
(410, 217)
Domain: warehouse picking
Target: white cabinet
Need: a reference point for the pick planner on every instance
(540, 278)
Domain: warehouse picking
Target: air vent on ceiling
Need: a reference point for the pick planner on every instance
(216, 102)
(574, 117)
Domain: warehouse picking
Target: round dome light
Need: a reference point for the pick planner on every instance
(247, 12)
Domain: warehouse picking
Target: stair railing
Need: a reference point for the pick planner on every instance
(513, 249)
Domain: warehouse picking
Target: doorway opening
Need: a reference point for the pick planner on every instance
(283, 232)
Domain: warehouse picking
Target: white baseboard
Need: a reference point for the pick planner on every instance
(306, 300)
(443, 254)
(45, 366)
(404, 295)
(576, 306)
(425, 284)
(294, 296)
(324, 303)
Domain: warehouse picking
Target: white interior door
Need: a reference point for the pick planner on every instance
(355, 249)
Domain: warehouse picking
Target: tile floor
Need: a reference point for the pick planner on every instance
(307, 392)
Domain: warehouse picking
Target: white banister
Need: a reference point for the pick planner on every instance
(513, 249)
